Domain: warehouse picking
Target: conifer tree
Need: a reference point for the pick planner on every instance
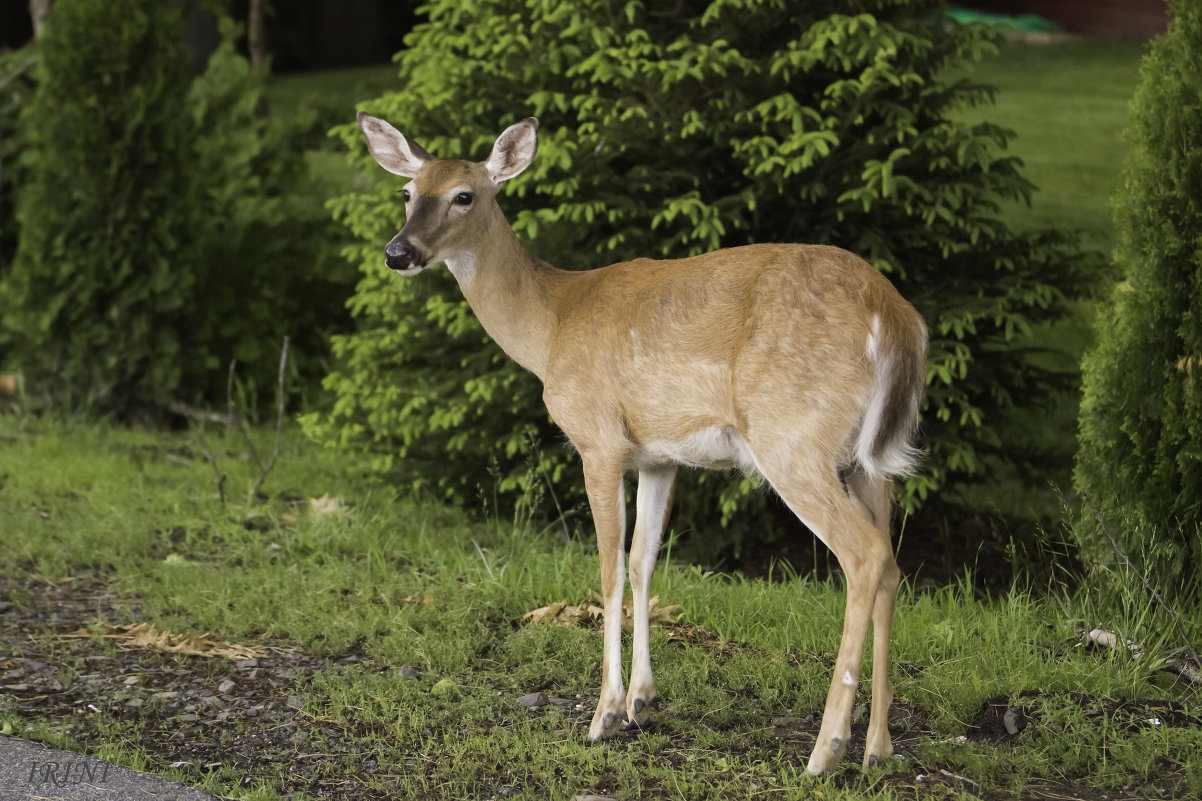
(89, 299)
(1140, 458)
(669, 133)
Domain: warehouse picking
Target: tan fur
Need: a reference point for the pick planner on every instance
(796, 361)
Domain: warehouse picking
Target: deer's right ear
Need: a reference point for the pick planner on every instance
(513, 151)
(393, 150)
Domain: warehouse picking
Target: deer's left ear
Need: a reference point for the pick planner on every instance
(514, 150)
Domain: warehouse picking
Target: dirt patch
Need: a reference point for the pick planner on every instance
(195, 715)
(1001, 718)
(246, 718)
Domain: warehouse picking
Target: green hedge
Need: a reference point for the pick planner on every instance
(1140, 459)
(673, 132)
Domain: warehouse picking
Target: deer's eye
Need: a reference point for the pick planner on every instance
(405, 195)
(464, 199)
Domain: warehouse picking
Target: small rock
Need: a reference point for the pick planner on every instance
(409, 673)
(226, 686)
(296, 701)
(246, 663)
(187, 717)
(533, 700)
(1015, 720)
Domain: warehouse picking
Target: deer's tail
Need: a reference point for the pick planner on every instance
(897, 350)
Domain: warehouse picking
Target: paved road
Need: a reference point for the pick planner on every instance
(35, 772)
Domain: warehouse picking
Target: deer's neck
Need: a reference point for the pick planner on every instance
(510, 292)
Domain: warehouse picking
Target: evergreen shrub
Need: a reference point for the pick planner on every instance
(164, 227)
(669, 132)
(88, 301)
(1140, 457)
(16, 87)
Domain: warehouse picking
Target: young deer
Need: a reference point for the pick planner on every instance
(799, 362)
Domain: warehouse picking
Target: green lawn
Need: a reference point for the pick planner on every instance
(1067, 103)
(106, 527)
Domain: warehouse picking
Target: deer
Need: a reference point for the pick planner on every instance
(799, 362)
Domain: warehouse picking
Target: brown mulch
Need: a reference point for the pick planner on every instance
(192, 714)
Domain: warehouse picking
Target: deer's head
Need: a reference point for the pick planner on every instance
(449, 205)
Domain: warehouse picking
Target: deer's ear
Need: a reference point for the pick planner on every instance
(393, 150)
(514, 150)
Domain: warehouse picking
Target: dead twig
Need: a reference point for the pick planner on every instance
(279, 421)
(235, 421)
(232, 420)
(219, 477)
(1189, 646)
(532, 444)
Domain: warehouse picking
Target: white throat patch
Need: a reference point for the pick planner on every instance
(463, 267)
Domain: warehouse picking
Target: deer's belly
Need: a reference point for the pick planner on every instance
(717, 447)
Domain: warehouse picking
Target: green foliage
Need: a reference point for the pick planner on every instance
(16, 86)
(264, 249)
(89, 301)
(670, 134)
(164, 224)
(1140, 458)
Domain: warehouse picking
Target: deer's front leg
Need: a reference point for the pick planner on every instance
(607, 499)
(654, 497)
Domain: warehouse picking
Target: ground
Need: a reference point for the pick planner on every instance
(252, 720)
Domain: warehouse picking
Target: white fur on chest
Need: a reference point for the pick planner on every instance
(717, 447)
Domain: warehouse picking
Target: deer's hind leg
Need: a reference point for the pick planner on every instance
(808, 482)
(874, 496)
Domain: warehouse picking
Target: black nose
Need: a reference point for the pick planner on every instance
(400, 254)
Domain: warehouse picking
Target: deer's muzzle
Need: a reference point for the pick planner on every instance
(401, 254)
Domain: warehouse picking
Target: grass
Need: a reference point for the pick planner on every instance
(1067, 103)
(386, 581)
